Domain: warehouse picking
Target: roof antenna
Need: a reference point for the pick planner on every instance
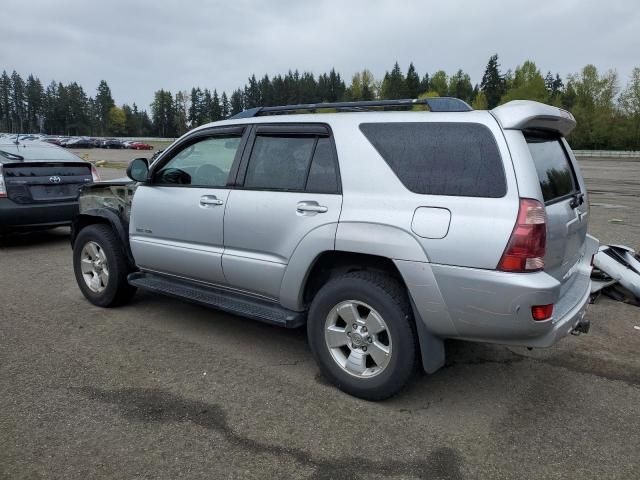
(17, 142)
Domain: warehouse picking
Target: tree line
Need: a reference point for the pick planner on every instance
(608, 116)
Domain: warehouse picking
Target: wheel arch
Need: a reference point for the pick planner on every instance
(329, 264)
(105, 216)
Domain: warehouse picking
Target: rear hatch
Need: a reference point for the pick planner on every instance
(565, 204)
(45, 182)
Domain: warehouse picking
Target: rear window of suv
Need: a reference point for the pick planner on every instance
(555, 174)
(460, 159)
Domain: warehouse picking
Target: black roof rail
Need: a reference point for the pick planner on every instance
(435, 104)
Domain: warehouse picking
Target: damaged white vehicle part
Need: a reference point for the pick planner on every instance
(621, 265)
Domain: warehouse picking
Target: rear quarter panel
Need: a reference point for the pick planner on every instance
(479, 227)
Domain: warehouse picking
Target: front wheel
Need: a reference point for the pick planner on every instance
(100, 266)
(361, 334)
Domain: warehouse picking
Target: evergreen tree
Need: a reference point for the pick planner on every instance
(130, 121)
(181, 109)
(236, 102)
(196, 114)
(104, 104)
(413, 82)
(34, 103)
(266, 91)
(548, 83)
(18, 112)
(394, 84)
(77, 111)
(308, 88)
(225, 106)
(215, 113)
(50, 102)
(424, 84)
(336, 87)
(252, 97)
(493, 83)
(558, 85)
(5, 102)
(206, 106)
(162, 111)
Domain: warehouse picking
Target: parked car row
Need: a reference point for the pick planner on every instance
(78, 142)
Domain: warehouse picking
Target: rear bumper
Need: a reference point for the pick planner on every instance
(495, 307)
(14, 216)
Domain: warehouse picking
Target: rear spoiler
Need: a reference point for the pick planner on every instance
(526, 114)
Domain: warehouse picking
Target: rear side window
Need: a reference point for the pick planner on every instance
(323, 176)
(460, 159)
(556, 176)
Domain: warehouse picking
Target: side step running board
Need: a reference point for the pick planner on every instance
(219, 299)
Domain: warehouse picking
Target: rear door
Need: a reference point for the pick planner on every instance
(565, 203)
(288, 185)
(176, 222)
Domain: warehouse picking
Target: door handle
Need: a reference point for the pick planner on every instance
(311, 207)
(210, 200)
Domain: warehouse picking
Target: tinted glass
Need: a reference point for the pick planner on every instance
(323, 177)
(279, 163)
(204, 164)
(37, 152)
(552, 164)
(459, 159)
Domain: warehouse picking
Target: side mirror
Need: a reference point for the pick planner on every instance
(138, 170)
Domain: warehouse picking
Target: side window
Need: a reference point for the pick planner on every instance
(460, 159)
(323, 177)
(206, 163)
(279, 162)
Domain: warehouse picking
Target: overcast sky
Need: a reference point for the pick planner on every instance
(140, 46)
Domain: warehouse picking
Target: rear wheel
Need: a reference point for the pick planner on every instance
(100, 267)
(361, 334)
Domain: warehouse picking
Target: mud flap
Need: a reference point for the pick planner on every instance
(431, 347)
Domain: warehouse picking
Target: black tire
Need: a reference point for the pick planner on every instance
(117, 291)
(389, 298)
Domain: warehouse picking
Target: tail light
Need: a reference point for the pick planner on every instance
(526, 247)
(542, 312)
(94, 173)
(3, 189)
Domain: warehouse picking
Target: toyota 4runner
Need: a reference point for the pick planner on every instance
(384, 232)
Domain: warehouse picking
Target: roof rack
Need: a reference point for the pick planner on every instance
(435, 104)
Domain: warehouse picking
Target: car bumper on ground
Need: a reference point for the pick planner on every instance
(15, 216)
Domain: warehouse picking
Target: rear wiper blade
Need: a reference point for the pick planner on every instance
(11, 156)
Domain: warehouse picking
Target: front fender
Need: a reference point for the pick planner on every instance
(113, 218)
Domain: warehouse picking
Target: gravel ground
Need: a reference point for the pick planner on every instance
(164, 389)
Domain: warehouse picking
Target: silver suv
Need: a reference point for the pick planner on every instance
(383, 231)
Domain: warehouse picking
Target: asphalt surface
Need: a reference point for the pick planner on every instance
(164, 389)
